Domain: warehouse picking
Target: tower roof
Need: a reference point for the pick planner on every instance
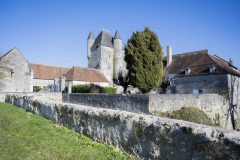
(104, 38)
(91, 35)
(117, 35)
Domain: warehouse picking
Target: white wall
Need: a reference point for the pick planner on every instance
(42, 82)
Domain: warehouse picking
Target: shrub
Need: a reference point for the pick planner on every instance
(37, 89)
(85, 88)
(92, 88)
(108, 90)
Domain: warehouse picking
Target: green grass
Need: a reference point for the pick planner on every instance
(189, 114)
(28, 136)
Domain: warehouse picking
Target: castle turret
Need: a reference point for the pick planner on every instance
(118, 54)
(90, 43)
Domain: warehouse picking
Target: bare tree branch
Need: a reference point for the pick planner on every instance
(122, 79)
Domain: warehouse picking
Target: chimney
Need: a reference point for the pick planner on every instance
(230, 62)
(169, 55)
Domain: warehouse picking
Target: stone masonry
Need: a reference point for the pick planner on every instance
(144, 136)
(106, 54)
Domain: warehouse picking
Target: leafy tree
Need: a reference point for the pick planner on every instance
(143, 55)
(122, 80)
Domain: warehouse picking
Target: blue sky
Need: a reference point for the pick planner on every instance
(55, 32)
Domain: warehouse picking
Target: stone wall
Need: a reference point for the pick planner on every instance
(126, 102)
(214, 105)
(52, 96)
(234, 98)
(185, 85)
(144, 136)
(107, 63)
(18, 77)
(42, 82)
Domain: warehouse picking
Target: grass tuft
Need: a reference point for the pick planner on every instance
(189, 114)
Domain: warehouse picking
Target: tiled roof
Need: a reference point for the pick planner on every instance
(201, 66)
(41, 71)
(85, 74)
(181, 61)
(225, 65)
(104, 38)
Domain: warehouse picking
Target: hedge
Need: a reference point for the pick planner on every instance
(91, 88)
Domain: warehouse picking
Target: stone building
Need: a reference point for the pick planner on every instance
(17, 75)
(198, 72)
(106, 54)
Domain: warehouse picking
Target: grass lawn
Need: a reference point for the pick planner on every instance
(28, 136)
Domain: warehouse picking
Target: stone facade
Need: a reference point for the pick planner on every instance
(18, 75)
(200, 84)
(106, 54)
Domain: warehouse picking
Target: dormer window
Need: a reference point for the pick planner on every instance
(212, 69)
(187, 71)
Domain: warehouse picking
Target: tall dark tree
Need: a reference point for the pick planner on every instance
(143, 55)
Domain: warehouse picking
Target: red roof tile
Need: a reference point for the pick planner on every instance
(85, 74)
(41, 71)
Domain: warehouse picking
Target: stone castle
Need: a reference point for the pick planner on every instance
(106, 54)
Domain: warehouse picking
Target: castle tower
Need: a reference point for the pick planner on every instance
(90, 43)
(118, 54)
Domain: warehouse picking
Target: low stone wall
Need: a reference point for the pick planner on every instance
(143, 135)
(214, 105)
(127, 102)
(53, 96)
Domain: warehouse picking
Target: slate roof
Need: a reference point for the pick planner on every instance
(41, 71)
(117, 35)
(201, 66)
(104, 38)
(91, 35)
(85, 74)
(181, 61)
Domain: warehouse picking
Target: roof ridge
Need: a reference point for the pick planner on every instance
(49, 65)
(190, 52)
(87, 68)
(220, 58)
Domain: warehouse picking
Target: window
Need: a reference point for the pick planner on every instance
(195, 91)
(108, 67)
(204, 82)
(187, 71)
(200, 91)
(212, 68)
(173, 81)
(109, 57)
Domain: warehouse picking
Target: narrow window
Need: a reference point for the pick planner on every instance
(109, 57)
(204, 82)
